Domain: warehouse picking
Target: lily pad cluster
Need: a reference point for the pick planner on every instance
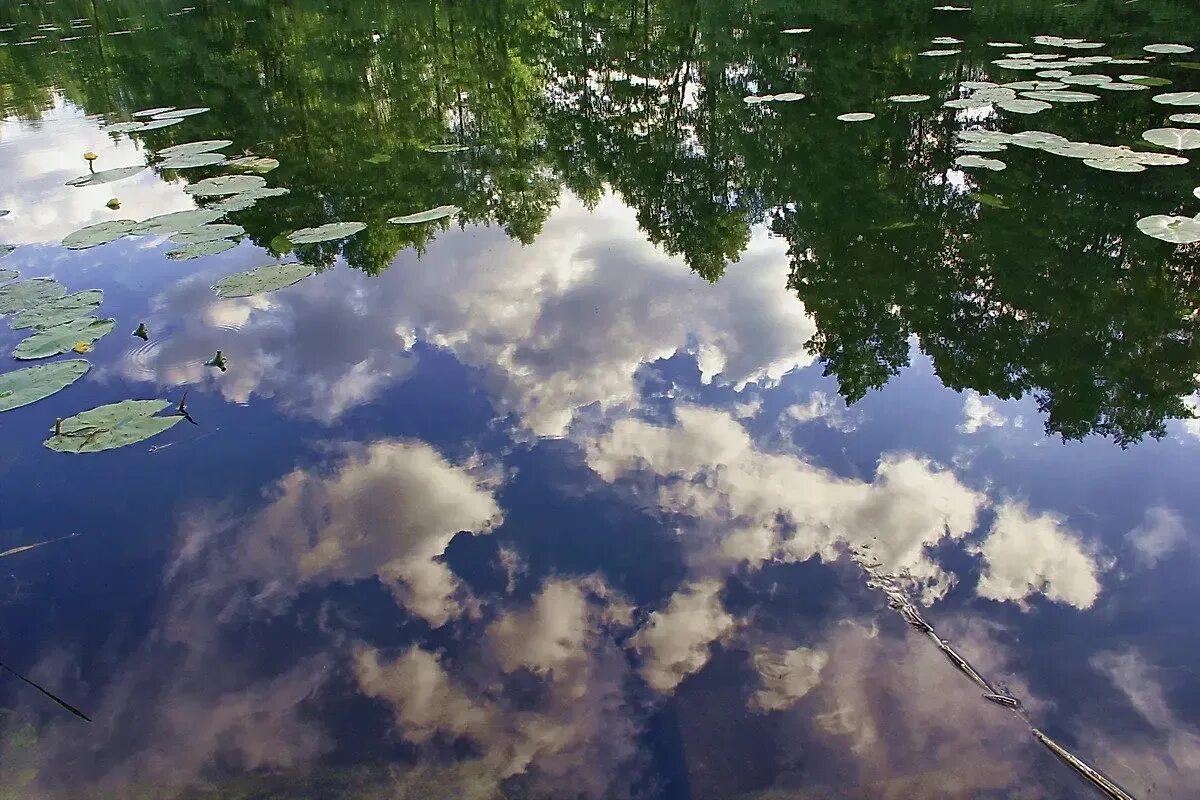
(1098, 156)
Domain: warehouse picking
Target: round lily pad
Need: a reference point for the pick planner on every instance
(1185, 119)
(106, 176)
(973, 162)
(441, 212)
(1168, 48)
(1061, 96)
(909, 98)
(796, 30)
(63, 338)
(1026, 106)
(244, 200)
(159, 122)
(150, 112)
(56, 312)
(978, 85)
(27, 294)
(1086, 80)
(253, 163)
(966, 102)
(1178, 99)
(225, 185)
(111, 426)
(1146, 81)
(123, 127)
(1176, 230)
(857, 116)
(201, 249)
(1003, 44)
(1034, 86)
(1114, 86)
(1114, 164)
(98, 234)
(1174, 138)
(24, 386)
(206, 146)
(207, 233)
(263, 279)
(191, 160)
(980, 147)
(180, 113)
(1053, 74)
(945, 40)
(939, 53)
(176, 221)
(326, 233)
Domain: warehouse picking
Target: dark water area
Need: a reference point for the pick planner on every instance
(700, 442)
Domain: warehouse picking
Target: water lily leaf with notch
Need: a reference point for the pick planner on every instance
(225, 185)
(258, 164)
(176, 221)
(326, 233)
(63, 338)
(441, 212)
(1168, 48)
(111, 426)
(207, 233)
(191, 161)
(180, 113)
(1176, 230)
(1185, 119)
(1178, 99)
(106, 176)
(206, 146)
(973, 162)
(27, 294)
(261, 280)
(24, 386)
(98, 234)
(1174, 138)
(61, 310)
(446, 148)
(201, 249)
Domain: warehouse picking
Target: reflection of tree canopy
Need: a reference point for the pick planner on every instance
(1056, 295)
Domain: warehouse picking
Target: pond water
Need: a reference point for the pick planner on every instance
(767, 383)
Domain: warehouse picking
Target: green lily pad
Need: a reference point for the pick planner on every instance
(909, 98)
(201, 249)
(379, 158)
(24, 386)
(1176, 230)
(441, 212)
(253, 163)
(27, 294)
(967, 102)
(1004, 44)
(979, 162)
(244, 200)
(939, 53)
(180, 113)
(159, 122)
(1053, 74)
(796, 30)
(106, 176)
(98, 234)
(63, 338)
(1114, 86)
(1034, 86)
(59, 311)
(1086, 80)
(190, 148)
(857, 116)
(111, 426)
(176, 221)
(150, 112)
(1147, 81)
(7, 275)
(980, 147)
(123, 127)
(207, 233)
(1185, 119)
(1178, 99)
(1168, 48)
(326, 233)
(1174, 138)
(263, 279)
(945, 40)
(446, 148)
(1114, 164)
(1061, 96)
(983, 198)
(1025, 106)
(225, 185)
(191, 161)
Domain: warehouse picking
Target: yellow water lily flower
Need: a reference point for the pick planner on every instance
(82, 347)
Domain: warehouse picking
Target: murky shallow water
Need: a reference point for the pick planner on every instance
(712, 449)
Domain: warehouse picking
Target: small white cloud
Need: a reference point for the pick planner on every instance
(979, 413)
(1162, 531)
(786, 676)
(675, 641)
(820, 406)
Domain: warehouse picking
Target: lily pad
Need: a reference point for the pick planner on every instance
(1174, 138)
(176, 221)
(995, 94)
(441, 212)
(1114, 164)
(1114, 86)
(192, 160)
(446, 148)
(1168, 48)
(1146, 80)
(244, 200)
(98, 234)
(159, 122)
(150, 112)
(180, 113)
(57, 312)
(63, 338)
(24, 386)
(945, 40)
(225, 185)
(1178, 99)
(1003, 44)
(1024, 106)
(201, 249)
(123, 127)
(206, 146)
(939, 53)
(106, 176)
(909, 98)
(973, 162)
(980, 147)
(857, 116)
(983, 198)
(7, 275)
(326, 233)
(1185, 119)
(1176, 230)
(1061, 96)
(1086, 80)
(27, 294)
(111, 426)
(1054, 74)
(796, 30)
(978, 85)
(967, 102)
(263, 279)
(379, 158)
(207, 233)
(258, 164)
(1034, 86)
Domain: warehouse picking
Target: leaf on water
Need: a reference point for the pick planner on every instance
(1061, 96)
(796, 30)
(446, 148)
(207, 233)
(978, 84)
(263, 279)
(788, 97)
(258, 164)
(7, 275)
(986, 199)
(1003, 44)
(1178, 99)
(25, 548)
(191, 160)
(159, 122)
(1053, 73)
(1034, 86)
(980, 147)
(945, 40)
(106, 176)
(111, 426)
(1086, 80)
(1185, 119)
(225, 185)
(939, 53)
(1146, 80)
(27, 294)
(1113, 86)
(1176, 230)
(150, 112)
(58, 311)
(909, 98)
(1173, 138)
(180, 113)
(967, 102)
(1114, 164)
(1168, 48)
(244, 200)
(98, 234)
(123, 127)
(201, 249)
(206, 146)
(379, 158)
(1024, 106)
(979, 162)
(326, 233)
(24, 386)
(441, 212)
(951, 8)
(857, 116)
(63, 338)
(175, 221)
